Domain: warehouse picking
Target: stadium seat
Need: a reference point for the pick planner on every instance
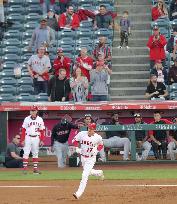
(32, 2)
(26, 97)
(86, 24)
(84, 42)
(15, 2)
(42, 97)
(66, 33)
(17, 26)
(165, 23)
(8, 81)
(15, 18)
(104, 32)
(15, 9)
(7, 73)
(27, 34)
(8, 65)
(12, 34)
(11, 42)
(11, 50)
(173, 95)
(89, 7)
(66, 41)
(8, 89)
(173, 87)
(25, 57)
(80, 2)
(68, 49)
(33, 9)
(11, 57)
(31, 25)
(84, 32)
(7, 98)
(25, 89)
(25, 81)
(25, 73)
(32, 17)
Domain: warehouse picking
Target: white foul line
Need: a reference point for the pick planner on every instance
(119, 185)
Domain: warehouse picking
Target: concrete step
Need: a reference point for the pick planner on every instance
(127, 91)
(139, 2)
(135, 17)
(132, 42)
(135, 34)
(129, 83)
(130, 67)
(132, 8)
(128, 97)
(132, 50)
(130, 75)
(131, 59)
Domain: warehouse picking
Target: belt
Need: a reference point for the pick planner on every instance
(87, 156)
(33, 135)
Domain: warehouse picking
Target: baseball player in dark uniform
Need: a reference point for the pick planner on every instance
(59, 140)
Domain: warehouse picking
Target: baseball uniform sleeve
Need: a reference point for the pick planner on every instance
(25, 123)
(100, 144)
(76, 139)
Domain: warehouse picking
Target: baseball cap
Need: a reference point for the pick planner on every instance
(34, 107)
(92, 126)
(87, 115)
(137, 115)
(51, 10)
(155, 28)
(60, 49)
(43, 19)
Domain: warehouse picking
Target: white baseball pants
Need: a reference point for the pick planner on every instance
(88, 164)
(172, 150)
(146, 149)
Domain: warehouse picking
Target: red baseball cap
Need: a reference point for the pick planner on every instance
(60, 49)
(34, 107)
(92, 126)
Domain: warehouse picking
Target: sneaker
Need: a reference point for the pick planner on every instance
(127, 47)
(119, 47)
(102, 177)
(36, 171)
(75, 196)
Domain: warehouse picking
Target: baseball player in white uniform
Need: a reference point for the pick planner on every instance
(31, 138)
(90, 144)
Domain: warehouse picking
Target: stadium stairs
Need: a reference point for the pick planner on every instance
(131, 67)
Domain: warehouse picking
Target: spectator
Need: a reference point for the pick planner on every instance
(172, 75)
(103, 19)
(155, 90)
(141, 139)
(103, 48)
(63, 5)
(88, 119)
(172, 145)
(98, 82)
(79, 86)
(84, 62)
(59, 140)
(38, 67)
(175, 50)
(156, 44)
(124, 30)
(12, 157)
(159, 137)
(173, 10)
(115, 139)
(62, 62)
(47, 5)
(160, 72)
(69, 19)
(159, 11)
(2, 19)
(59, 88)
(42, 35)
(52, 20)
(172, 41)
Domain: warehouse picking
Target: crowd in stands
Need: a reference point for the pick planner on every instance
(77, 71)
(162, 46)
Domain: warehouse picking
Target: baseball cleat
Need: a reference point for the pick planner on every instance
(75, 196)
(36, 172)
(102, 177)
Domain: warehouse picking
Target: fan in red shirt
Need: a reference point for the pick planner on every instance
(156, 44)
(62, 62)
(159, 11)
(85, 63)
(69, 19)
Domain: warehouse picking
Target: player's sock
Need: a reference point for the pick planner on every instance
(25, 164)
(35, 164)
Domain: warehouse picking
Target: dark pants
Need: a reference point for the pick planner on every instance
(100, 98)
(40, 86)
(14, 163)
(152, 63)
(160, 149)
(123, 37)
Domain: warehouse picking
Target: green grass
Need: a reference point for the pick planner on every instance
(75, 174)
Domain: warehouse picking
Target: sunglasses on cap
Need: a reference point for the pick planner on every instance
(87, 115)
(137, 115)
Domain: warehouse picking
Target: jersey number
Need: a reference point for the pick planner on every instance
(89, 149)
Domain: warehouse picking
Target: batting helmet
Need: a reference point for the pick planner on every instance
(34, 107)
(92, 126)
